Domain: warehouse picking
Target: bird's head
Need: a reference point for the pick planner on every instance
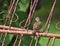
(37, 19)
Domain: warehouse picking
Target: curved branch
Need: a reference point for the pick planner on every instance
(57, 25)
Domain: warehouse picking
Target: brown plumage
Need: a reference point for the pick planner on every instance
(37, 25)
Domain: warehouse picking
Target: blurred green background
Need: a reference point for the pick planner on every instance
(22, 12)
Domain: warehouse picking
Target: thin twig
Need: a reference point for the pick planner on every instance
(48, 22)
(18, 35)
(28, 21)
(57, 25)
(16, 17)
(20, 40)
(50, 16)
(31, 41)
(34, 7)
(53, 41)
(48, 41)
(15, 40)
(9, 12)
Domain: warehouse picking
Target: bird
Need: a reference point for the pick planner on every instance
(37, 25)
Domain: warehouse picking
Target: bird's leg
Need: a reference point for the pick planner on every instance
(34, 32)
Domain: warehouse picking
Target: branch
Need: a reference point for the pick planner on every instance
(14, 30)
(29, 32)
(7, 27)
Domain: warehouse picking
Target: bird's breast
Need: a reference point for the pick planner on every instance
(37, 25)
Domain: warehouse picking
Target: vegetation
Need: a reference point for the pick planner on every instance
(22, 10)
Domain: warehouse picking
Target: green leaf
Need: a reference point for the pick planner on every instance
(8, 39)
(23, 5)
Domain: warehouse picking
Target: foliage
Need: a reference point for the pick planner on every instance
(43, 13)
